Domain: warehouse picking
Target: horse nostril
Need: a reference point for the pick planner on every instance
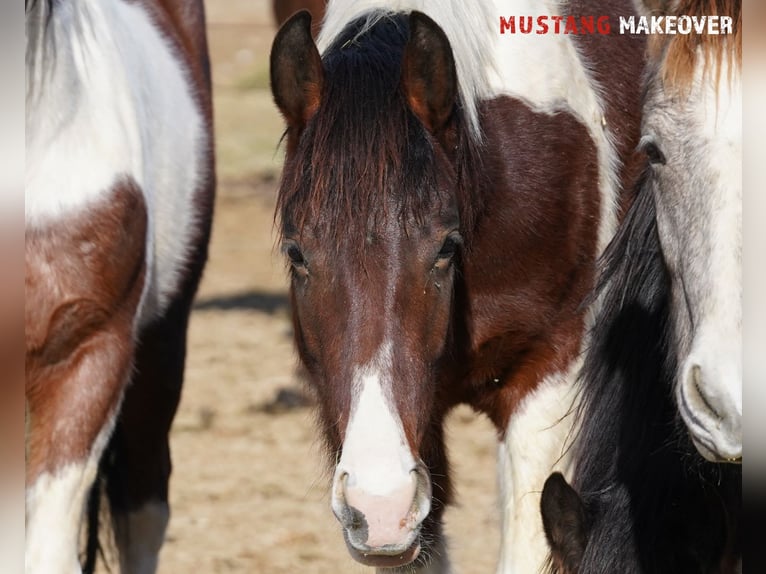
(711, 406)
(381, 517)
(423, 492)
(698, 386)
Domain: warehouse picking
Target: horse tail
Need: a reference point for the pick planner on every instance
(92, 543)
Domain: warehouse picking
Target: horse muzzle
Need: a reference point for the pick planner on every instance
(711, 405)
(382, 525)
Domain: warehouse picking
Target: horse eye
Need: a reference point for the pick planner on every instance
(653, 152)
(448, 250)
(295, 255)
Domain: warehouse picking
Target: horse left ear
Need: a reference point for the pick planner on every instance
(296, 71)
(429, 79)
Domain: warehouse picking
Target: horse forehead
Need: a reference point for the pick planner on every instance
(391, 229)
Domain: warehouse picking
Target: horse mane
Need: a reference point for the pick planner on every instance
(469, 26)
(364, 153)
(681, 51)
(653, 503)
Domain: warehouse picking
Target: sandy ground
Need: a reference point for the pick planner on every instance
(249, 488)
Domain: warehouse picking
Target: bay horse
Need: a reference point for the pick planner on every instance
(445, 194)
(661, 384)
(119, 194)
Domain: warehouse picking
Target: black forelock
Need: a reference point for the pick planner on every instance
(364, 153)
(363, 148)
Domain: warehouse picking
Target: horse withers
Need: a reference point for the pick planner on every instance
(445, 194)
(119, 197)
(662, 384)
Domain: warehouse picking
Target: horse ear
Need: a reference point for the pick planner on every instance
(564, 522)
(429, 79)
(296, 71)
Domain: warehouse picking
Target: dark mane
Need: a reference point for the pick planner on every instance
(653, 503)
(364, 154)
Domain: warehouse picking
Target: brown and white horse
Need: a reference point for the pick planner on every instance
(446, 192)
(119, 196)
(662, 383)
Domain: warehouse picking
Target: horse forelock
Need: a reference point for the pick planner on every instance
(679, 54)
(364, 157)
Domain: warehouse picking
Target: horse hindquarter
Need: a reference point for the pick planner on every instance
(118, 203)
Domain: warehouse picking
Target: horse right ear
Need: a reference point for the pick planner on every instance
(296, 71)
(429, 79)
(565, 523)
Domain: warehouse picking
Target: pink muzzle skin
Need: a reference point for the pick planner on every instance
(383, 530)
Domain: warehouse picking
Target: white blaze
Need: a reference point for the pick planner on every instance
(376, 454)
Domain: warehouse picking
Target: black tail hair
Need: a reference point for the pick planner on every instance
(92, 543)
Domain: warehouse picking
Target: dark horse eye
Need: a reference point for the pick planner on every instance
(295, 255)
(448, 250)
(653, 152)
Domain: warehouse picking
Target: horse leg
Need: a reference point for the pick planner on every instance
(139, 468)
(83, 284)
(534, 446)
(71, 412)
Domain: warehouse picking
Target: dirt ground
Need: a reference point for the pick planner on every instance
(249, 491)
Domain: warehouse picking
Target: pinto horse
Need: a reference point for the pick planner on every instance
(663, 373)
(119, 196)
(445, 194)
